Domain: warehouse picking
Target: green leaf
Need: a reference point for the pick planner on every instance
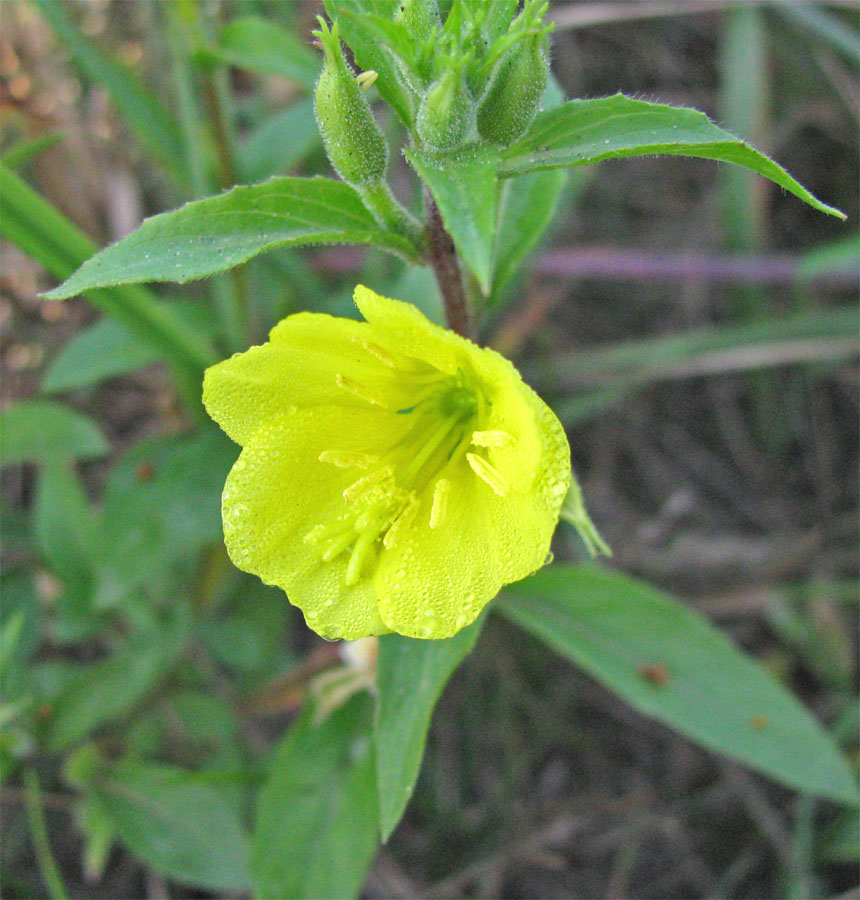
(279, 143)
(109, 689)
(50, 238)
(369, 53)
(101, 351)
(587, 131)
(140, 109)
(411, 675)
(17, 647)
(317, 823)
(187, 830)
(25, 151)
(670, 663)
(218, 233)
(259, 45)
(161, 507)
(526, 208)
(64, 525)
(43, 431)
(465, 188)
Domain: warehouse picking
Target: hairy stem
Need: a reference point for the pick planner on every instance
(446, 267)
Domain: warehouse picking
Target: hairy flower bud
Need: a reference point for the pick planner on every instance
(352, 138)
(446, 111)
(511, 101)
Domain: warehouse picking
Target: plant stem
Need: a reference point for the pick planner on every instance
(377, 197)
(446, 267)
(39, 835)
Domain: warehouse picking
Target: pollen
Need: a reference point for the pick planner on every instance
(357, 488)
(386, 358)
(488, 474)
(345, 459)
(360, 390)
(440, 502)
(491, 439)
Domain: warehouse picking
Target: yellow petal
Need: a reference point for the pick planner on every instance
(434, 582)
(404, 328)
(279, 490)
(310, 359)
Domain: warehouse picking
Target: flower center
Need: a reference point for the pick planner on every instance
(383, 500)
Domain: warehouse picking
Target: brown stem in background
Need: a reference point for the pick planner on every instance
(446, 267)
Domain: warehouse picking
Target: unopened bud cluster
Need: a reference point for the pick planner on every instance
(475, 75)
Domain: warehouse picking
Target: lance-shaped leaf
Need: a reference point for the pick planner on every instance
(587, 131)
(411, 676)
(672, 664)
(141, 110)
(317, 823)
(218, 233)
(465, 188)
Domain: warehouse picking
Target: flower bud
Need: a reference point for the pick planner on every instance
(446, 111)
(511, 101)
(352, 138)
(421, 17)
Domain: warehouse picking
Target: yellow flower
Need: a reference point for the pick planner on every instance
(394, 475)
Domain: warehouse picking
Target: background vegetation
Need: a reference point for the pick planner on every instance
(694, 327)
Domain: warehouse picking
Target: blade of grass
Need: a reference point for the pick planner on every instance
(182, 29)
(743, 110)
(743, 100)
(612, 372)
(830, 29)
(25, 151)
(31, 223)
(39, 835)
(141, 110)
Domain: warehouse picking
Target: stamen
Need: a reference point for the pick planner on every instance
(491, 439)
(359, 554)
(348, 384)
(337, 546)
(357, 488)
(316, 534)
(488, 474)
(386, 358)
(404, 519)
(440, 502)
(344, 459)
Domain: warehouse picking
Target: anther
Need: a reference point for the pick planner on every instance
(491, 439)
(386, 358)
(366, 79)
(488, 474)
(344, 459)
(363, 546)
(337, 546)
(357, 488)
(348, 384)
(440, 502)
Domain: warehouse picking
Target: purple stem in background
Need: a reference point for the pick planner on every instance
(618, 264)
(639, 265)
